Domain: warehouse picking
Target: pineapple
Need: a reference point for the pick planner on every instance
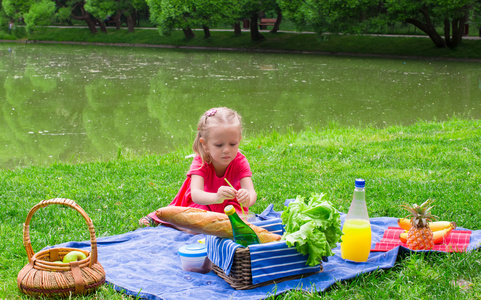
(420, 236)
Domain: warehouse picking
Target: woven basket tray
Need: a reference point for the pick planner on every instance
(240, 276)
(43, 277)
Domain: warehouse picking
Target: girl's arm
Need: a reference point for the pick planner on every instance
(246, 195)
(202, 197)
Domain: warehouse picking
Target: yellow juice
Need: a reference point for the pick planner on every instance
(356, 241)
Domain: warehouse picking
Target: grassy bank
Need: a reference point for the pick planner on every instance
(347, 44)
(439, 160)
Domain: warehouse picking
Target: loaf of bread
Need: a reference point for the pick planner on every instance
(207, 222)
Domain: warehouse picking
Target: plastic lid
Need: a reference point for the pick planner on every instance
(360, 183)
(193, 250)
(229, 210)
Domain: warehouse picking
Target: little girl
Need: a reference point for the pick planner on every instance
(217, 158)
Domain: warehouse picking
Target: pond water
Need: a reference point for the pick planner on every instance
(81, 103)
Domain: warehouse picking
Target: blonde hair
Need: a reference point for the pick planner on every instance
(213, 118)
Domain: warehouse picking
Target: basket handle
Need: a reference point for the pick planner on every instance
(59, 201)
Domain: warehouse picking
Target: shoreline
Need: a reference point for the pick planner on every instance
(327, 53)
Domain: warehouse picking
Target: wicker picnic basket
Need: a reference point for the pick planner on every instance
(240, 276)
(43, 277)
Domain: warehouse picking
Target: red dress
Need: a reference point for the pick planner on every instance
(237, 169)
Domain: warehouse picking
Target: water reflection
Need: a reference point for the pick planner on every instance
(82, 103)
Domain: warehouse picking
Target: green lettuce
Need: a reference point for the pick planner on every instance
(313, 226)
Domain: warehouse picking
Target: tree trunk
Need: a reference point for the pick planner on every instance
(278, 22)
(428, 28)
(456, 29)
(262, 15)
(130, 23)
(457, 26)
(255, 34)
(447, 31)
(189, 34)
(237, 29)
(85, 16)
(91, 25)
(102, 25)
(133, 15)
(117, 20)
(206, 32)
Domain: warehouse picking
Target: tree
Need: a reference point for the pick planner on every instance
(33, 12)
(186, 14)
(427, 14)
(329, 16)
(115, 9)
(352, 16)
(171, 14)
(16, 8)
(102, 9)
(211, 13)
(251, 9)
(78, 12)
(39, 14)
(4, 20)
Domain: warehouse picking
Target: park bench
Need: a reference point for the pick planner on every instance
(267, 22)
(110, 21)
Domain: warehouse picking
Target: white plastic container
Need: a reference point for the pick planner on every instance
(194, 258)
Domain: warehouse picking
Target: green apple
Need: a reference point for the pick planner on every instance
(74, 256)
(58, 261)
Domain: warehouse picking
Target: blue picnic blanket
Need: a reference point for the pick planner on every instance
(145, 263)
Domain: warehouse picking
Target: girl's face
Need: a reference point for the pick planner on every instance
(222, 146)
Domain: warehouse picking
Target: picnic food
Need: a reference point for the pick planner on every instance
(207, 222)
(438, 236)
(313, 226)
(194, 258)
(74, 256)
(405, 224)
(420, 236)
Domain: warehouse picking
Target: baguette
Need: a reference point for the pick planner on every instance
(208, 222)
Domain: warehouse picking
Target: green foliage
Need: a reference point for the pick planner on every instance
(437, 9)
(63, 13)
(4, 21)
(139, 4)
(39, 14)
(171, 14)
(16, 8)
(213, 13)
(332, 16)
(101, 8)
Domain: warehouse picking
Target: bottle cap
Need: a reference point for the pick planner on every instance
(229, 210)
(360, 183)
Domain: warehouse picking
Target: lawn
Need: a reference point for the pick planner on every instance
(437, 160)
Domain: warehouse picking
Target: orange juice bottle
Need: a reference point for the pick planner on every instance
(356, 238)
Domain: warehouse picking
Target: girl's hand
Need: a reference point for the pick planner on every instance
(243, 197)
(225, 193)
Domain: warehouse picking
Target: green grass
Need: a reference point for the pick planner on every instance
(438, 160)
(347, 44)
